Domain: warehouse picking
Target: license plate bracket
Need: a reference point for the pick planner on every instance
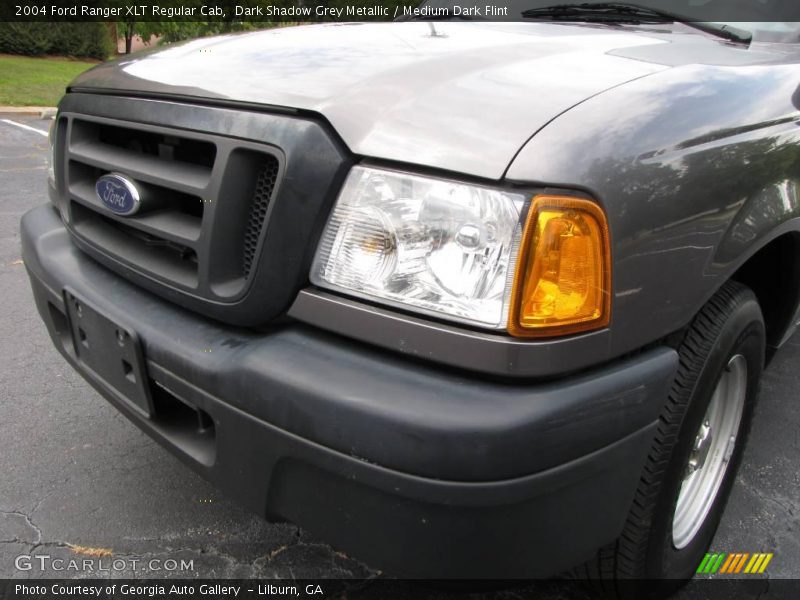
(111, 352)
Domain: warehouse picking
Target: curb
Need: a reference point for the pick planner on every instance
(43, 112)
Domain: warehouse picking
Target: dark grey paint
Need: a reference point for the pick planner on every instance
(697, 167)
(450, 96)
(690, 143)
(447, 343)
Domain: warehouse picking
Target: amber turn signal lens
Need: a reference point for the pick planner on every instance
(562, 282)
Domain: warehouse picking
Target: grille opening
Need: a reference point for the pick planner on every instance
(61, 328)
(58, 157)
(187, 426)
(165, 147)
(183, 252)
(166, 258)
(247, 188)
(262, 194)
(82, 179)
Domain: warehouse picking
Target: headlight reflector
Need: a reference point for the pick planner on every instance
(437, 246)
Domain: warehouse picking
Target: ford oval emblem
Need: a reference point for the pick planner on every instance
(118, 194)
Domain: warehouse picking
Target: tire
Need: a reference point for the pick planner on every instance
(658, 552)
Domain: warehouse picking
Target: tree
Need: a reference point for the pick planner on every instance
(130, 28)
(127, 29)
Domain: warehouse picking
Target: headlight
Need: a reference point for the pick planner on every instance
(51, 159)
(459, 252)
(437, 246)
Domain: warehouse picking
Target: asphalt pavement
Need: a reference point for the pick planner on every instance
(78, 480)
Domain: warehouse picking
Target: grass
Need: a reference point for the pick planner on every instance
(26, 81)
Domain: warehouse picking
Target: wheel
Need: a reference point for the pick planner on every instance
(696, 451)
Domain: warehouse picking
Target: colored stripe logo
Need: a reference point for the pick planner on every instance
(733, 563)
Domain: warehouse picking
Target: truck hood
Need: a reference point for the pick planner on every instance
(463, 97)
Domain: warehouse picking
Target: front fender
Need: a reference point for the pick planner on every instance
(697, 167)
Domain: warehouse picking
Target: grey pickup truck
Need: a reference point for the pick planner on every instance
(464, 299)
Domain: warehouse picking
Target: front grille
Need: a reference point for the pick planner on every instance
(207, 199)
(240, 194)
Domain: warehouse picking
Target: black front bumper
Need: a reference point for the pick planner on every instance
(421, 471)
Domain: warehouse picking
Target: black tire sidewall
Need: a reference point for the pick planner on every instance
(742, 333)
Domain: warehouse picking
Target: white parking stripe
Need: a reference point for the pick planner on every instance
(39, 131)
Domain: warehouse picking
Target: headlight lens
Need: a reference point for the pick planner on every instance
(51, 158)
(441, 247)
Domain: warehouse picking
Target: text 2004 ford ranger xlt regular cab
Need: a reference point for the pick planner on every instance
(462, 299)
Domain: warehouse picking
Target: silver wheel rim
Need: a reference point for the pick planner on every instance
(713, 447)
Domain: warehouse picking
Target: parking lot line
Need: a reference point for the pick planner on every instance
(28, 127)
